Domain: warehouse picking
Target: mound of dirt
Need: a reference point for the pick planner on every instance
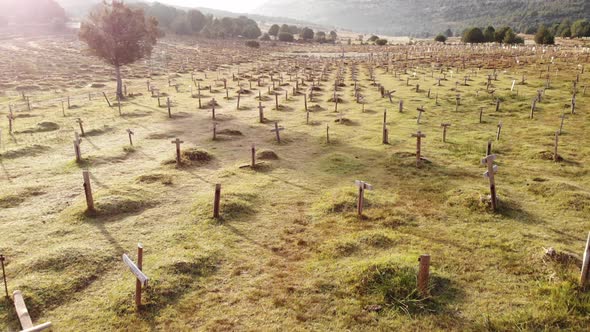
(267, 155)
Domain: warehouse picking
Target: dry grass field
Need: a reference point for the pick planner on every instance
(289, 252)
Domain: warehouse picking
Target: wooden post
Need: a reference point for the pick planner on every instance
(260, 112)
(80, 122)
(10, 117)
(361, 198)
(253, 155)
(585, 275)
(199, 95)
(168, 106)
(419, 137)
(276, 101)
(533, 107)
(88, 190)
(423, 274)
(385, 130)
(2, 259)
(239, 95)
(130, 133)
(214, 131)
(497, 105)
(499, 131)
(136, 269)
(561, 124)
(492, 169)
(327, 133)
(137, 281)
(107, 99)
(305, 101)
(555, 157)
(77, 142)
(445, 126)
(480, 114)
(489, 148)
(177, 142)
(216, 201)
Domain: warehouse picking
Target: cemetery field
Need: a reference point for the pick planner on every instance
(289, 250)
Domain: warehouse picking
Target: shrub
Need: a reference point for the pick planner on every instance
(274, 30)
(381, 42)
(473, 35)
(265, 37)
(373, 38)
(307, 33)
(544, 36)
(511, 38)
(449, 33)
(580, 28)
(252, 43)
(440, 38)
(489, 34)
(286, 37)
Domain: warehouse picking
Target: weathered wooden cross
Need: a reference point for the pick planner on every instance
(361, 198)
(277, 130)
(445, 126)
(81, 123)
(23, 314)
(492, 170)
(136, 269)
(420, 111)
(88, 191)
(260, 112)
(77, 141)
(130, 133)
(177, 142)
(419, 137)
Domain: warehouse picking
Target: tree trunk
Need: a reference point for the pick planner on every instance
(119, 82)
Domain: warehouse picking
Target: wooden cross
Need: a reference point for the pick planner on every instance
(130, 133)
(499, 131)
(492, 169)
(361, 199)
(177, 142)
(555, 156)
(80, 122)
(214, 131)
(419, 137)
(239, 95)
(260, 112)
(23, 314)
(420, 111)
(277, 130)
(444, 126)
(497, 105)
(327, 134)
(276, 101)
(168, 106)
(389, 94)
(136, 269)
(253, 155)
(533, 107)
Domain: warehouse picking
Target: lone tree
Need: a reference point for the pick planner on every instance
(440, 38)
(544, 36)
(274, 30)
(119, 35)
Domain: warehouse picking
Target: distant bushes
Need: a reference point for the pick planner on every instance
(286, 37)
(381, 42)
(194, 22)
(504, 35)
(440, 38)
(252, 43)
(544, 36)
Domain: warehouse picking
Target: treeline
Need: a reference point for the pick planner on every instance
(194, 22)
(31, 12)
(504, 35)
(287, 33)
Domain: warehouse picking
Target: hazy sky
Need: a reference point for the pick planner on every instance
(242, 6)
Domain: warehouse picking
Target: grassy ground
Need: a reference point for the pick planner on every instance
(289, 252)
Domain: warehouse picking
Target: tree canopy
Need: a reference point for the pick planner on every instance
(119, 35)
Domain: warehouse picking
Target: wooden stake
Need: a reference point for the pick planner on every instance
(499, 131)
(260, 112)
(277, 130)
(361, 197)
(555, 157)
(385, 130)
(585, 275)
(253, 156)
(2, 259)
(130, 133)
(88, 190)
(137, 281)
(216, 201)
(80, 122)
(423, 274)
(445, 126)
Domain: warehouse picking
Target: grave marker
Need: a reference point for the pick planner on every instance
(277, 130)
(136, 269)
(23, 314)
(423, 274)
(88, 191)
(177, 142)
(420, 111)
(260, 112)
(361, 197)
(445, 126)
(216, 201)
(77, 142)
(80, 122)
(130, 133)
(419, 137)
(492, 170)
